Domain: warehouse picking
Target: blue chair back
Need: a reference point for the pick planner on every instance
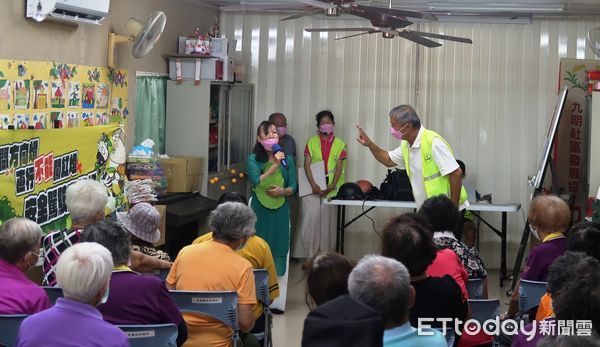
(156, 335)
(9, 328)
(218, 305)
(53, 293)
(484, 309)
(162, 274)
(530, 293)
(475, 288)
(261, 282)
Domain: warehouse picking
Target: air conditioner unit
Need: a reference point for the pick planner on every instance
(75, 11)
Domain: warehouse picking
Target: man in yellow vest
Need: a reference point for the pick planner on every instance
(425, 155)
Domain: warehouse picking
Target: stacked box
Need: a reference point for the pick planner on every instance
(140, 168)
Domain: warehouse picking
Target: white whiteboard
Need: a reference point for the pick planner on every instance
(536, 182)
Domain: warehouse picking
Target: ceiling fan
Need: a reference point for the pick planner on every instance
(388, 24)
(337, 7)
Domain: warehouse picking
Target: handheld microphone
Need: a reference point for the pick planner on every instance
(277, 148)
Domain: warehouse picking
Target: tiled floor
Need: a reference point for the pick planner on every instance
(287, 328)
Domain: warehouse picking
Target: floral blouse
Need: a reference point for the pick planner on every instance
(468, 255)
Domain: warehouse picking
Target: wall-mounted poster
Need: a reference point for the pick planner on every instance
(21, 121)
(103, 95)
(57, 99)
(38, 121)
(4, 94)
(102, 118)
(88, 119)
(88, 95)
(21, 99)
(57, 120)
(40, 94)
(73, 120)
(74, 95)
(5, 121)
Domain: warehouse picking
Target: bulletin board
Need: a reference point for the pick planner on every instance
(59, 123)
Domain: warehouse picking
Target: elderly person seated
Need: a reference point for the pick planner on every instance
(86, 201)
(134, 298)
(83, 272)
(384, 284)
(327, 278)
(258, 253)
(142, 222)
(411, 243)
(549, 216)
(19, 251)
(214, 266)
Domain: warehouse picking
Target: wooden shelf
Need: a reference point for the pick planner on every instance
(193, 56)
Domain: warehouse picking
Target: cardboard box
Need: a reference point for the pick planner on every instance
(162, 209)
(184, 174)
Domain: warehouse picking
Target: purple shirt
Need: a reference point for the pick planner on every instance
(541, 257)
(520, 340)
(69, 323)
(18, 294)
(139, 299)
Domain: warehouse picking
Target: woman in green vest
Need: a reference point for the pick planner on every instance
(318, 220)
(272, 181)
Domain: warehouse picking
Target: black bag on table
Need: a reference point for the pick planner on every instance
(396, 186)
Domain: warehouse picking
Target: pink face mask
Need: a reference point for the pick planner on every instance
(268, 144)
(326, 128)
(397, 134)
(281, 131)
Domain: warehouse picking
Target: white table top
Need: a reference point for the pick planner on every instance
(478, 206)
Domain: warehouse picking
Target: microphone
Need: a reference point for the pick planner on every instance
(277, 148)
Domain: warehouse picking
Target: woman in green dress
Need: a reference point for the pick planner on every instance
(272, 181)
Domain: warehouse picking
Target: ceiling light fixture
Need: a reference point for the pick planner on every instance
(496, 7)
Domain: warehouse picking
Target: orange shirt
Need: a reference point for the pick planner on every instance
(545, 309)
(211, 266)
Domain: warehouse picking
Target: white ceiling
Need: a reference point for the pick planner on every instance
(572, 7)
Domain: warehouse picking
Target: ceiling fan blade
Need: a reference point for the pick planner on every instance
(259, 7)
(320, 30)
(397, 13)
(440, 36)
(380, 19)
(349, 36)
(418, 39)
(308, 12)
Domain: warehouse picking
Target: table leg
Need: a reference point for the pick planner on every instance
(503, 251)
(343, 231)
(338, 228)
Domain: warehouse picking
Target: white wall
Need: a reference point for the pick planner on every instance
(492, 100)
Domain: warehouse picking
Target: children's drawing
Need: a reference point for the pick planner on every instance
(39, 121)
(88, 119)
(21, 121)
(74, 94)
(73, 120)
(5, 121)
(4, 95)
(57, 99)
(102, 118)
(88, 95)
(22, 88)
(57, 119)
(103, 95)
(40, 94)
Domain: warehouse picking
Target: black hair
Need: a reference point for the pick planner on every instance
(258, 150)
(585, 237)
(570, 341)
(579, 298)
(327, 278)
(463, 168)
(323, 114)
(559, 271)
(441, 213)
(232, 197)
(408, 239)
(111, 235)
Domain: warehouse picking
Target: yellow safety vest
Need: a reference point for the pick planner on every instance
(316, 155)
(435, 183)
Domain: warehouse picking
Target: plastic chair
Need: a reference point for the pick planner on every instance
(218, 305)
(9, 328)
(475, 288)
(158, 335)
(484, 309)
(162, 273)
(261, 282)
(53, 293)
(530, 293)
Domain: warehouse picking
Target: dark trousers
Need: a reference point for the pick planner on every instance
(459, 228)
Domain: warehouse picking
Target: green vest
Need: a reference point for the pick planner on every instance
(276, 179)
(435, 183)
(316, 155)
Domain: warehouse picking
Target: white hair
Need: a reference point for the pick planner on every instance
(83, 270)
(231, 221)
(85, 199)
(19, 236)
(382, 283)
